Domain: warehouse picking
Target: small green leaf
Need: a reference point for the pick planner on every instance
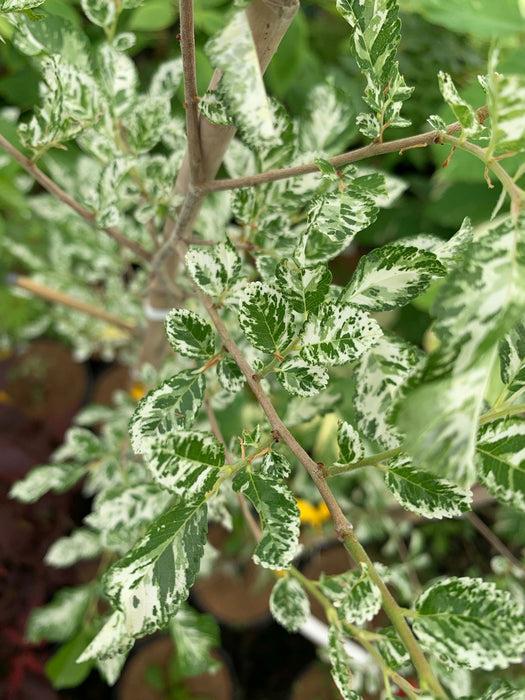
(390, 277)
(340, 662)
(172, 405)
(465, 114)
(289, 603)
(61, 618)
(63, 669)
(337, 335)
(189, 334)
(277, 510)
(469, 623)
(266, 318)
(355, 596)
(152, 16)
(100, 12)
(501, 460)
(351, 448)
(195, 635)
(299, 378)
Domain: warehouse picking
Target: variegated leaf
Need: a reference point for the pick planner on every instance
(229, 375)
(300, 378)
(380, 379)
(289, 603)
(392, 648)
(100, 12)
(189, 334)
(501, 690)
(79, 545)
(214, 271)
(53, 477)
(149, 584)
(266, 318)
(465, 114)
(355, 596)
(375, 38)
(166, 78)
(277, 510)
(506, 101)
(233, 52)
(469, 623)
(512, 359)
(19, 5)
(306, 288)
(351, 448)
(171, 406)
(390, 277)
(186, 460)
(121, 515)
(337, 335)
(59, 619)
(424, 494)
(330, 121)
(113, 640)
(340, 663)
(111, 668)
(195, 635)
(501, 460)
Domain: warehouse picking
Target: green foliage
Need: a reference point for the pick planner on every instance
(289, 603)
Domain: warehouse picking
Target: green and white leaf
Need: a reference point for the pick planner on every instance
(306, 288)
(512, 359)
(424, 494)
(229, 375)
(100, 12)
(113, 640)
(351, 448)
(501, 690)
(53, 477)
(501, 460)
(278, 512)
(185, 461)
(300, 378)
(215, 271)
(465, 114)
(118, 78)
(340, 663)
(329, 123)
(195, 636)
(79, 545)
(392, 648)
(355, 596)
(59, 619)
(233, 52)
(19, 5)
(189, 334)
(266, 318)
(505, 98)
(149, 584)
(469, 623)
(289, 603)
(111, 668)
(390, 277)
(380, 379)
(166, 79)
(337, 335)
(375, 38)
(171, 406)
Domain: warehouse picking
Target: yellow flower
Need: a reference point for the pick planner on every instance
(312, 515)
(4, 397)
(137, 391)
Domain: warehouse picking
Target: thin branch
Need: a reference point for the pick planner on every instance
(191, 98)
(64, 197)
(494, 540)
(353, 156)
(50, 294)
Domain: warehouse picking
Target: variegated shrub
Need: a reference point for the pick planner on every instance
(219, 295)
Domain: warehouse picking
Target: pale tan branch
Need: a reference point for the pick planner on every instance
(191, 98)
(64, 197)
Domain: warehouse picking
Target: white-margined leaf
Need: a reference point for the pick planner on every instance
(453, 250)
(195, 635)
(117, 77)
(52, 477)
(330, 121)
(216, 270)
(501, 690)
(380, 379)
(113, 640)
(212, 108)
(189, 334)
(171, 406)
(266, 318)
(145, 122)
(59, 619)
(501, 460)
(469, 623)
(121, 515)
(423, 493)
(54, 36)
(111, 668)
(149, 584)
(375, 38)
(79, 545)
(233, 52)
(512, 359)
(166, 79)
(229, 375)
(277, 510)
(392, 648)
(351, 448)
(100, 12)
(337, 334)
(355, 596)
(465, 114)
(300, 378)
(390, 277)
(306, 288)
(289, 603)
(506, 99)
(184, 461)
(340, 663)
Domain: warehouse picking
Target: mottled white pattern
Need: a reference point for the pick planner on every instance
(79, 545)
(289, 604)
(501, 460)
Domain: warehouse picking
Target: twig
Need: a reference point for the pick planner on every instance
(64, 197)
(353, 156)
(494, 540)
(191, 97)
(50, 294)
